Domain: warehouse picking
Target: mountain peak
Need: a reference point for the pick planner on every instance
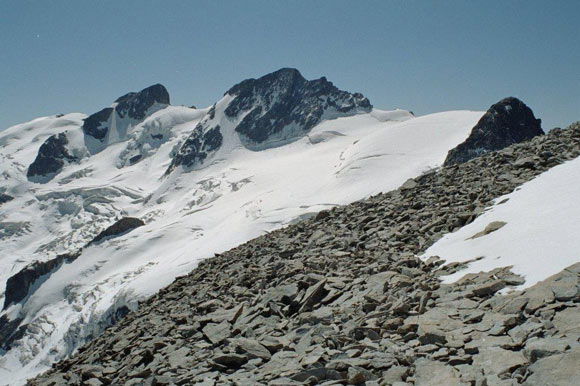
(284, 76)
(269, 111)
(157, 91)
(506, 122)
(107, 126)
(127, 110)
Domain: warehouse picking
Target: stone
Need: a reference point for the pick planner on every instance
(488, 288)
(355, 376)
(512, 305)
(497, 361)
(322, 215)
(252, 348)
(473, 317)
(567, 321)
(395, 374)
(565, 288)
(432, 373)
(93, 382)
(230, 360)
(409, 184)
(282, 294)
(459, 360)
(538, 348)
(491, 227)
(525, 162)
(217, 332)
(313, 296)
(560, 369)
(538, 296)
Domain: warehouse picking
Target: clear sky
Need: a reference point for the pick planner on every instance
(424, 56)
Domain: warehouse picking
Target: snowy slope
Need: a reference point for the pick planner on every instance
(236, 195)
(536, 240)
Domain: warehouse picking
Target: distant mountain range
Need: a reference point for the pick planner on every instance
(99, 212)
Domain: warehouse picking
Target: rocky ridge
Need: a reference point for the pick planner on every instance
(268, 111)
(134, 106)
(342, 299)
(98, 130)
(506, 122)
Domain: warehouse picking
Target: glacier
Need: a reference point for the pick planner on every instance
(190, 214)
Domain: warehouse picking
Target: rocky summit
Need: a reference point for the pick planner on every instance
(110, 125)
(284, 97)
(99, 130)
(134, 105)
(507, 122)
(268, 111)
(343, 298)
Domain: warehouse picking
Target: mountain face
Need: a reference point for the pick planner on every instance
(120, 203)
(275, 101)
(268, 111)
(507, 122)
(99, 130)
(353, 295)
(127, 110)
(52, 156)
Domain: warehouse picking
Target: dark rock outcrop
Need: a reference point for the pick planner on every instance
(23, 283)
(19, 286)
(507, 122)
(10, 331)
(134, 105)
(28, 280)
(4, 198)
(197, 146)
(277, 108)
(96, 125)
(283, 98)
(51, 158)
(122, 226)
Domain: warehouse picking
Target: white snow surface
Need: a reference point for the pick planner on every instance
(235, 196)
(540, 239)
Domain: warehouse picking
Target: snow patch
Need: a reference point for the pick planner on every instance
(537, 240)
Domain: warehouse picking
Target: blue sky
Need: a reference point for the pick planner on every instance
(425, 56)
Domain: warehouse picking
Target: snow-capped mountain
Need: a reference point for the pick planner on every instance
(271, 151)
(267, 112)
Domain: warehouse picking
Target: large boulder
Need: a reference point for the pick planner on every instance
(507, 122)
